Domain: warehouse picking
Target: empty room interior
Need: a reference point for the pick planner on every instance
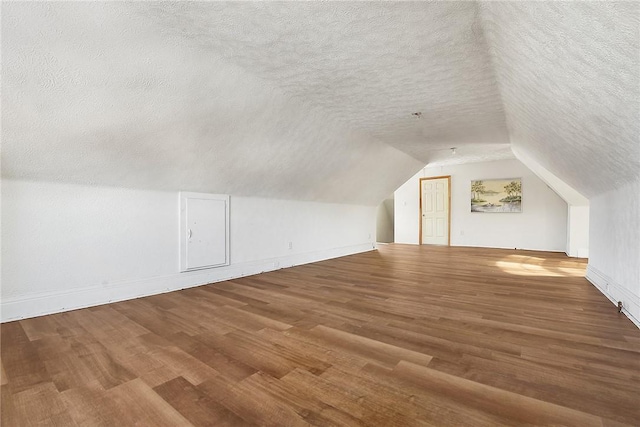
(320, 213)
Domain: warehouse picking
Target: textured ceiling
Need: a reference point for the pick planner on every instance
(314, 100)
(97, 93)
(569, 74)
(369, 64)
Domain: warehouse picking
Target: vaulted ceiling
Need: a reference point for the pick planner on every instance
(315, 100)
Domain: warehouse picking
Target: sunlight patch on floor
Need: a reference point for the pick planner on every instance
(521, 265)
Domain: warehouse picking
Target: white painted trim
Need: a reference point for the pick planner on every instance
(55, 302)
(508, 248)
(616, 292)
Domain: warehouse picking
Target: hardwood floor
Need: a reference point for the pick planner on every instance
(403, 336)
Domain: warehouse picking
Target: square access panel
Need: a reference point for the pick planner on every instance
(204, 230)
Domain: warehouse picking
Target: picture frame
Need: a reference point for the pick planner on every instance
(496, 195)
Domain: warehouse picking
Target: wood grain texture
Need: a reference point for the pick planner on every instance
(407, 335)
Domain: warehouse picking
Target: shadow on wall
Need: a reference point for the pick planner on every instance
(384, 221)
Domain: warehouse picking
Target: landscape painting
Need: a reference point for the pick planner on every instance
(496, 195)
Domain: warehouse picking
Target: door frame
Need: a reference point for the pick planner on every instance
(448, 208)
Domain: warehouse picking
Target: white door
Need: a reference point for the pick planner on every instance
(435, 211)
(204, 231)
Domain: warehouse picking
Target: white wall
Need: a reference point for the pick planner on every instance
(542, 225)
(578, 231)
(70, 246)
(614, 258)
(578, 205)
(406, 211)
(384, 222)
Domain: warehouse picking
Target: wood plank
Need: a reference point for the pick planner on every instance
(254, 405)
(100, 361)
(132, 403)
(209, 355)
(381, 404)
(196, 406)
(520, 408)
(23, 366)
(311, 408)
(375, 350)
(3, 375)
(40, 404)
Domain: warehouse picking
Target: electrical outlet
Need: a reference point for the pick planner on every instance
(462, 232)
(290, 245)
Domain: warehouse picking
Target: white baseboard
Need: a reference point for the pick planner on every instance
(55, 302)
(466, 245)
(580, 253)
(616, 292)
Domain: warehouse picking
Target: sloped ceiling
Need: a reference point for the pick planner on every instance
(314, 100)
(569, 75)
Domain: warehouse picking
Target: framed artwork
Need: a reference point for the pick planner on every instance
(496, 195)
